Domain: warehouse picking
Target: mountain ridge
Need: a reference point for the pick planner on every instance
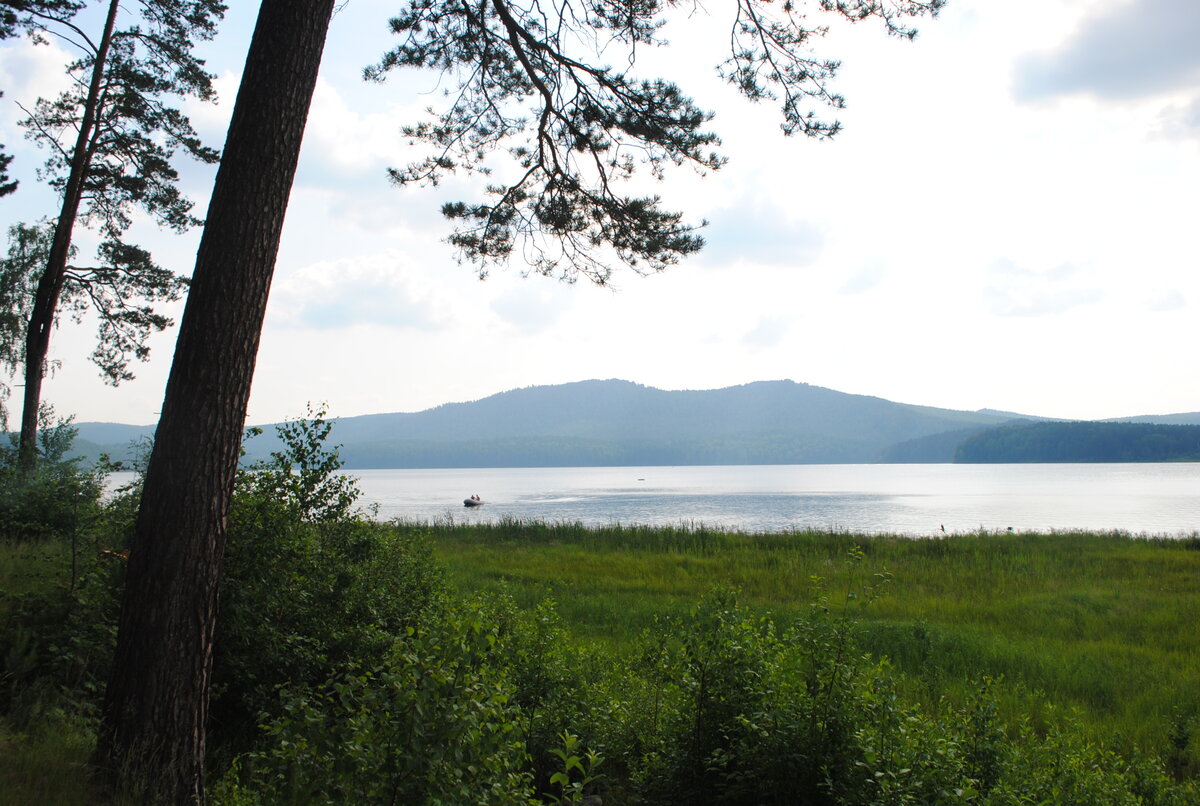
(613, 421)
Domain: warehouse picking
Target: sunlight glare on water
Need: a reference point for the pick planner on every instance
(1157, 499)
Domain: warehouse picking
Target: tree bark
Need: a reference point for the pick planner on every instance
(152, 738)
(45, 305)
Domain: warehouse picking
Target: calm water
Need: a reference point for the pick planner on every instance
(1153, 499)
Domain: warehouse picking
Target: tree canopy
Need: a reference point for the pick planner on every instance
(25, 15)
(27, 250)
(111, 138)
(533, 80)
(1083, 442)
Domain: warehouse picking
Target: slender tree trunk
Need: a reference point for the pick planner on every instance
(45, 305)
(153, 732)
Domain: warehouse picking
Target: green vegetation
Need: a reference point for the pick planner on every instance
(524, 663)
(1105, 623)
(1083, 442)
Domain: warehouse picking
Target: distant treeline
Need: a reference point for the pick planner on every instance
(1082, 442)
(933, 449)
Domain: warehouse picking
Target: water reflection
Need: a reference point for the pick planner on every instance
(901, 499)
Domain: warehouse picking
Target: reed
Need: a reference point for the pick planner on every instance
(1101, 622)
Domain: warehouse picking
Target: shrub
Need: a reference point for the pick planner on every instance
(434, 723)
(56, 648)
(309, 585)
(57, 499)
(58, 622)
(548, 672)
(1066, 769)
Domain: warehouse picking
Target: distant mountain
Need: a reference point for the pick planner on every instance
(614, 422)
(1009, 415)
(1187, 418)
(939, 448)
(617, 422)
(117, 441)
(112, 434)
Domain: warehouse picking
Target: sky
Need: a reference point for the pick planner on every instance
(1010, 219)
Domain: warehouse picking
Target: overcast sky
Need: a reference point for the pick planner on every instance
(1010, 220)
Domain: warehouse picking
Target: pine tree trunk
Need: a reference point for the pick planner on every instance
(153, 732)
(45, 304)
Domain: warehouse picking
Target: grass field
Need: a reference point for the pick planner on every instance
(1102, 623)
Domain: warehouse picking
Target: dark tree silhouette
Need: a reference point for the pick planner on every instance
(7, 184)
(152, 739)
(22, 15)
(27, 250)
(111, 137)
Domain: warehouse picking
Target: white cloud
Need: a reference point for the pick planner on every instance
(866, 278)
(353, 140)
(28, 72)
(1181, 120)
(1164, 301)
(1140, 55)
(759, 230)
(211, 118)
(533, 306)
(1131, 49)
(1019, 291)
(384, 290)
(768, 332)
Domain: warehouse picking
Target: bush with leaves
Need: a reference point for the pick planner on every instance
(553, 680)
(303, 479)
(433, 723)
(577, 770)
(744, 712)
(57, 630)
(310, 584)
(747, 711)
(1065, 768)
(56, 646)
(56, 500)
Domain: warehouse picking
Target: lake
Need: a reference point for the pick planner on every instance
(1155, 499)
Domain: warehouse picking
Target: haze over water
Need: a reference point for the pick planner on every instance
(1154, 499)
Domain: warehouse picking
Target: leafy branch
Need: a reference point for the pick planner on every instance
(530, 81)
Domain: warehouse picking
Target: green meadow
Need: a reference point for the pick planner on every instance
(526, 663)
(1103, 623)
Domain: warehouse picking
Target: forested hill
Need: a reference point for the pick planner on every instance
(613, 422)
(617, 422)
(1083, 442)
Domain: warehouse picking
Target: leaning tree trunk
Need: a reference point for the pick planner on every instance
(153, 732)
(45, 303)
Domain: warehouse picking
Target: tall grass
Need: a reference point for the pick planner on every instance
(1106, 623)
(48, 769)
(1102, 623)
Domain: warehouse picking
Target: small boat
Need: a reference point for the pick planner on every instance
(472, 502)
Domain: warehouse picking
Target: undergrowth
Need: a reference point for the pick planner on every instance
(524, 663)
